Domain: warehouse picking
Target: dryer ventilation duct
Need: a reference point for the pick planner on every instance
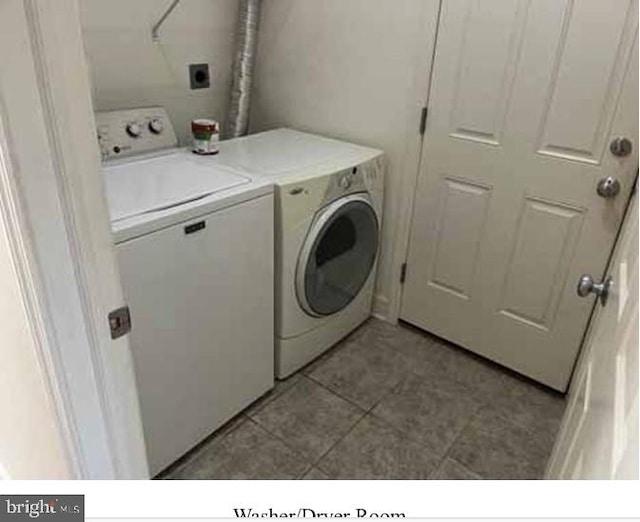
(243, 64)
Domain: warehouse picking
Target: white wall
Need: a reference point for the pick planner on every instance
(128, 69)
(356, 70)
(30, 443)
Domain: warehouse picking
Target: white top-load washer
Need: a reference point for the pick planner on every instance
(329, 197)
(194, 241)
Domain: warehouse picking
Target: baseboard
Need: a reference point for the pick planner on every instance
(381, 308)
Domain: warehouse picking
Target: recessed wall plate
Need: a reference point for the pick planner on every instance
(199, 75)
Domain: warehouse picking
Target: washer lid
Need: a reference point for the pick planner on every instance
(161, 182)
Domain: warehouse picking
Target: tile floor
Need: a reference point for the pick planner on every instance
(388, 402)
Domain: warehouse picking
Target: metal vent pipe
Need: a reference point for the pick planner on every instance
(243, 65)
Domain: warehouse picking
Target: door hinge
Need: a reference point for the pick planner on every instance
(403, 273)
(423, 120)
(119, 322)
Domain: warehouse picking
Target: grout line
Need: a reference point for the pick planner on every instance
(297, 451)
(303, 457)
(317, 461)
(502, 412)
(199, 449)
(446, 453)
(479, 409)
(302, 475)
(269, 397)
(325, 387)
(471, 472)
(400, 431)
(340, 439)
(332, 351)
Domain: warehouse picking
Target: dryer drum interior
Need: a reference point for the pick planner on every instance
(338, 256)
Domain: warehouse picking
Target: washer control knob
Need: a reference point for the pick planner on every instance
(345, 182)
(134, 130)
(156, 126)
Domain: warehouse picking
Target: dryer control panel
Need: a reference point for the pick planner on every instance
(134, 131)
(365, 177)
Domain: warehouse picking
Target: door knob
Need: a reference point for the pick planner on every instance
(621, 147)
(608, 187)
(586, 286)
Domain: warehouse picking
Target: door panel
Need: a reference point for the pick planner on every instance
(525, 99)
(562, 134)
(458, 236)
(544, 241)
(599, 434)
(482, 86)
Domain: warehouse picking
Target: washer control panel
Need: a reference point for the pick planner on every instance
(134, 131)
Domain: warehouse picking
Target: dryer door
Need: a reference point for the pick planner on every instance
(337, 255)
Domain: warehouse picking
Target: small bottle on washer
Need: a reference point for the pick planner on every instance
(206, 135)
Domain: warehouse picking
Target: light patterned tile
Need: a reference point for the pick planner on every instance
(374, 450)
(309, 418)
(453, 470)
(278, 389)
(439, 358)
(391, 335)
(315, 474)
(248, 452)
(431, 411)
(495, 448)
(364, 371)
(334, 350)
(529, 405)
(206, 445)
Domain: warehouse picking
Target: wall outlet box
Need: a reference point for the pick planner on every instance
(199, 75)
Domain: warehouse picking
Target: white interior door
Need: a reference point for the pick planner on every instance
(599, 434)
(525, 100)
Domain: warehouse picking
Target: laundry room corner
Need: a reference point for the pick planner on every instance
(130, 69)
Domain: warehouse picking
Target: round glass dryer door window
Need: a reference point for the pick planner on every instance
(338, 256)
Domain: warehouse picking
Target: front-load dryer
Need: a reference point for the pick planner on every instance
(328, 248)
(328, 217)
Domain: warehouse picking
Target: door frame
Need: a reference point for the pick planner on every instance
(53, 206)
(412, 163)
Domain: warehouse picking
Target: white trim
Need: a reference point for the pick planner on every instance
(64, 77)
(21, 252)
(53, 124)
(389, 310)
(380, 307)
(56, 166)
